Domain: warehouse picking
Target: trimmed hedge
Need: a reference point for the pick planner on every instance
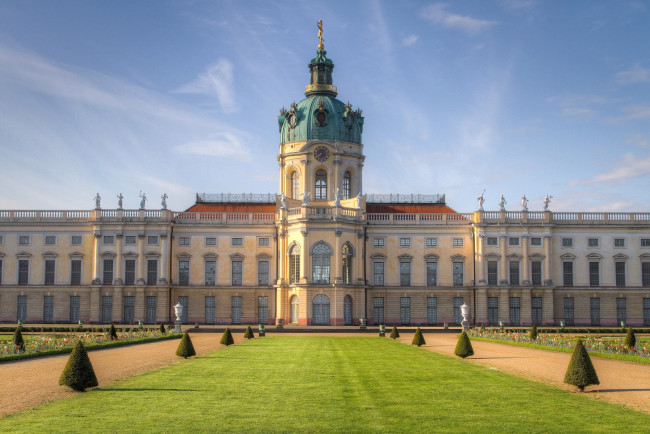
(185, 348)
(630, 339)
(248, 334)
(394, 334)
(532, 335)
(464, 346)
(78, 373)
(18, 340)
(418, 339)
(112, 333)
(226, 338)
(581, 372)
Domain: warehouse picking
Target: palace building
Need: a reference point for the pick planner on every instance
(322, 252)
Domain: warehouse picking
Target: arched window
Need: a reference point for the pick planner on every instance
(321, 184)
(321, 263)
(294, 264)
(295, 185)
(347, 310)
(295, 309)
(321, 310)
(347, 264)
(347, 185)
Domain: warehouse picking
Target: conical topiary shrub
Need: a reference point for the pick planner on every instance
(227, 339)
(630, 339)
(394, 334)
(581, 372)
(112, 333)
(249, 333)
(185, 348)
(532, 335)
(418, 339)
(162, 329)
(482, 329)
(19, 341)
(464, 346)
(78, 373)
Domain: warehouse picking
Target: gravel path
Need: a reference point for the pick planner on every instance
(31, 382)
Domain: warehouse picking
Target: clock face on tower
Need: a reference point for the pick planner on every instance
(321, 153)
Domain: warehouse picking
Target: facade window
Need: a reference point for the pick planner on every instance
(536, 310)
(458, 316)
(185, 302)
(594, 273)
(76, 240)
(431, 242)
(49, 271)
(130, 240)
(107, 276)
(152, 306)
(457, 272)
(514, 272)
(492, 273)
(321, 263)
(568, 311)
(347, 264)
(493, 310)
(209, 309)
(621, 310)
(48, 308)
(183, 241)
(294, 264)
(378, 242)
(2, 240)
(183, 273)
(237, 242)
(347, 186)
(515, 310)
(235, 310)
(645, 242)
(263, 273)
(295, 309)
(109, 240)
(347, 310)
(152, 271)
(405, 310)
(75, 308)
(619, 242)
(23, 271)
(263, 242)
(24, 240)
(536, 273)
(567, 242)
(107, 309)
(432, 273)
(321, 185)
(129, 309)
(513, 241)
(457, 242)
(152, 240)
(594, 311)
(236, 272)
(492, 241)
(210, 241)
(592, 242)
(432, 310)
(321, 309)
(378, 273)
(378, 310)
(262, 309)
(129, 272)
(405, 274)
(50, 240)
(567, 273)
(535, 241)
(645, 273)
(75, 272)
(646, 311)
(619, 268)
(210, 272)
(295, 185)
(405, 242)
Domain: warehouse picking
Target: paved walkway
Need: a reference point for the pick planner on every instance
(31, 382)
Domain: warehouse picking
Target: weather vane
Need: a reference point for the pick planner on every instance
(320, 35)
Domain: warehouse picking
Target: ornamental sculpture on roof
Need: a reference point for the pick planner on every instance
(320, 35)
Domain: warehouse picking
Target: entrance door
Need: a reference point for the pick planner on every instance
(295, 309)
(347, 310)
(321, 310)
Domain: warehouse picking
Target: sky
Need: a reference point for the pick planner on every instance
(509, 97)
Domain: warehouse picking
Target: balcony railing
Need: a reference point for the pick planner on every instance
(420, 219)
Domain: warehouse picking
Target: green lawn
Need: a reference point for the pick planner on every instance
(343, 384)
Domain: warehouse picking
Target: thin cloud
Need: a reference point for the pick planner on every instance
(637, 74)
(409, 40)
(217, 81)
(637, 112)
(438, 14)
(228, 145)
(518, 4)
(630, 167)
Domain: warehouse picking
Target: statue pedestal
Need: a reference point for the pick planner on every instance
(178, 326)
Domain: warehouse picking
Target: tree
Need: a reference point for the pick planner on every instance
(19, 341)
(418, 339)
(394, 334)
(630, 339)
(78, 373)
(162, 329)
(185, 348)
(464, 346)
(532, 335)
(581, 372)
(112, 333)
(227, 339)
(249, 333)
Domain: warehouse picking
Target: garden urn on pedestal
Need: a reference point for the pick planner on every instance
(178, 309)
(464, 310)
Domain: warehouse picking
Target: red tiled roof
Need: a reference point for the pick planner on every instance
(232, 207)
(420, 208)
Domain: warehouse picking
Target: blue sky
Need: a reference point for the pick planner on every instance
(514, 97)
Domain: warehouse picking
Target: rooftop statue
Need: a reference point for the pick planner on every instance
(320, 34)
(547, 201)
(502, 203)
(305, 198)
(98, 201)
(481, 201)
(164, 200)
(120, 198)
(143, 196)
(524, 203)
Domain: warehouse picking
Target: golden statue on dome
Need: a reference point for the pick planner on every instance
(320, 35)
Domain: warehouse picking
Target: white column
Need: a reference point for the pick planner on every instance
(165, 240)
(96, 258)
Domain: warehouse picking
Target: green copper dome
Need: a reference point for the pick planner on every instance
(320, 116)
